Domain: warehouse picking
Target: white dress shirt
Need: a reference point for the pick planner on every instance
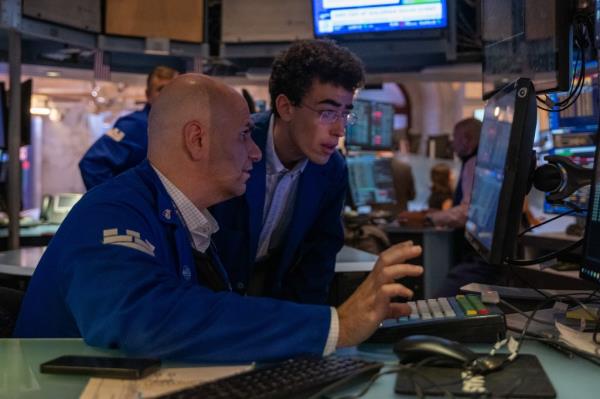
(280, 196)
(199, 222)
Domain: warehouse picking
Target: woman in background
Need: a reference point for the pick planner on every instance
(441, 188)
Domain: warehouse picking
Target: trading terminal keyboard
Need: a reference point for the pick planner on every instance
(463, 318)
(294, 378)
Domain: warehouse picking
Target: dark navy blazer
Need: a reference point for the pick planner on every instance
(124, 147)
(306, 258)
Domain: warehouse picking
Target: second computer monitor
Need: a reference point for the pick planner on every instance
(504, 161)
(374, 128)
(590, 267)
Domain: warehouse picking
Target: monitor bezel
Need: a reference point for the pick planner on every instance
(588, 219)
(4, 121)
(519, 159)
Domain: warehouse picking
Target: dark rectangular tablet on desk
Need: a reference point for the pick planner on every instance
(522, 378)
(99, 366)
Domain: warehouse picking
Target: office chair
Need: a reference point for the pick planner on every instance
(10, 303)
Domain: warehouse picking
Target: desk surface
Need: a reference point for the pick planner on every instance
(22, 262)
(20, 376)
(33, 231)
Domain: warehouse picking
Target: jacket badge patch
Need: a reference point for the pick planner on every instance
(130, 239)
(115, 134)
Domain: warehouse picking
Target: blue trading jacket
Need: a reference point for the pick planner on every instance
(120, 149)
(120, 274)
(306, 259)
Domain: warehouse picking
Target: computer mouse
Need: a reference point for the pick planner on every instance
(438, 351)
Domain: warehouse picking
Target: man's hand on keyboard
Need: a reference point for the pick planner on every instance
(371, 303)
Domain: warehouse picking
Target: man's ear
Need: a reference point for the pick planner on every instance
(195, 139)
(285, 108)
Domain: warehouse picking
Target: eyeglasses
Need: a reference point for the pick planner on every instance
(328, 116)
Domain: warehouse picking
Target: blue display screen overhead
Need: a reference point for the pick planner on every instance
(339, 17)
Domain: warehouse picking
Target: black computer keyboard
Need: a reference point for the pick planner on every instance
(463, 318)
(294, 378)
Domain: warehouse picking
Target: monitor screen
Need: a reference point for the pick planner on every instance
(526, 38)
(359, 133)
(579, 117)
(371, 180)
(502, 171)
(590, 267)
(374, 129)
(340, 17)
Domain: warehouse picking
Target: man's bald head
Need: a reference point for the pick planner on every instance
(187, 97)
(466, 136)
(199, 138)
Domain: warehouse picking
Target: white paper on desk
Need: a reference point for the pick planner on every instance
(159, 383)
(580, 340)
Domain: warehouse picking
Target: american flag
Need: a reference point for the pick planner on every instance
(101, 69)
(198, 65)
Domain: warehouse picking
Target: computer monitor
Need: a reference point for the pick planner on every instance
(342, 17)
(590, 267)
(582, 116)
(527, 38)
(26, 91)
(371, 180)
(504, 161)
(374, 128)
(359, 133)
(3, 119)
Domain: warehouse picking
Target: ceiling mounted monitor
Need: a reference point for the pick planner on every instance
(343, 17)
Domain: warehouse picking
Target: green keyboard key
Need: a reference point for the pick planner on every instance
(466, 305)
(478, 305)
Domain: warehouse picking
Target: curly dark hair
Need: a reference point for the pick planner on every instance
(295, 69)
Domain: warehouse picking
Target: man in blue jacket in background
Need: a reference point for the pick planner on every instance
(131, 267)
(282, 237)
(125, 145)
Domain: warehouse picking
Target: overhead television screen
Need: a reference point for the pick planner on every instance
(341, 17)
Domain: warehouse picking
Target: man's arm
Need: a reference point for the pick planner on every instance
(122, 147)
(121, 297)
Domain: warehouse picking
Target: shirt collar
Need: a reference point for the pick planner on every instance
(274, 165)
(199, 222)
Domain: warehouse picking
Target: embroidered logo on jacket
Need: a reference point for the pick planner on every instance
(115, 134)
(130, 239)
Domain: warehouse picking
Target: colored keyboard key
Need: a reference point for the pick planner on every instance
(478, 305)
(466, 305)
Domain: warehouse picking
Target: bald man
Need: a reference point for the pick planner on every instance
(131, 266)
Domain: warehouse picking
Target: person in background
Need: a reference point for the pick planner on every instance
(281, 238)
(132, 267)
(441, 188)
(404, 183)
(465, 143)
(125, 145)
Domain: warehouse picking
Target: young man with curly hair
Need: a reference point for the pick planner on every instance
(281, 238)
